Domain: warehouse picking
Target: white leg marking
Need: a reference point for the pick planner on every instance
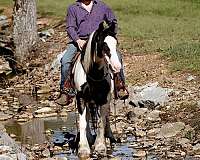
(100, 146)
(84, 149)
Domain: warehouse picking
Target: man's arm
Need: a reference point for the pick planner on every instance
(71, 24)
(72, 28)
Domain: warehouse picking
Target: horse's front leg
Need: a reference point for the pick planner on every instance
(100, 144)
(84, 149)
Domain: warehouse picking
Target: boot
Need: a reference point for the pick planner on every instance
(120, 91)
(64, 99)
(66, 95)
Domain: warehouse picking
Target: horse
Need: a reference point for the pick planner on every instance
(93, 80)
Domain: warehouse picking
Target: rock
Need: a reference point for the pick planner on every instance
(52, 104)
(154, 115)
(3, 17)
(130, 115)
(26, 100)
(4, 65)
(184, 142)
(139, 154)
(4, 117)
(130, 129)
(3, 21)
(198, 103)
(57, 148)
(61, 158)
(56, 62)
(22, 120)
(12, 135)
(5, 157)
(45, 115)
(191, 78)
(196, 147)
(36, 147)
(46, 153)
(183, 154)
(44, 89)
(46, 34)
(152, 157)
(43, 110)
(171, 154)
(140, 133)
(63, 114)
(151, 93)
(153, 131)
(4, 149)
(190, 158)
(139, 111)
(170, 129)
(148, 144)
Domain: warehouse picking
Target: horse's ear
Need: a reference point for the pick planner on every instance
(112, 27)
(101, 27)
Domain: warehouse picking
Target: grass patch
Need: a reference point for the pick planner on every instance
(147, 25)
(6, 2)
(186, 56)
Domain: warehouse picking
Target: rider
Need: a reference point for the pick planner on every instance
(83, 17)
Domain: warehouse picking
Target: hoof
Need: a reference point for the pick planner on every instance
(84, 152)
(100, 149)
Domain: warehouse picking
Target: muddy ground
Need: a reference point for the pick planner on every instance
(29, 115)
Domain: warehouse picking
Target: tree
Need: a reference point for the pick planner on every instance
(24, 28)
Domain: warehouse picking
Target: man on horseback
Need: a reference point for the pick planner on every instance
(83, 18)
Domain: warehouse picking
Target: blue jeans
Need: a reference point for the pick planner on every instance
(67, 59)
(66, 63)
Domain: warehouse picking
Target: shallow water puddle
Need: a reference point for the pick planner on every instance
(62, 131)
(33, 132)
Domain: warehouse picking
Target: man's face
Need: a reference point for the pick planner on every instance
(86, 1)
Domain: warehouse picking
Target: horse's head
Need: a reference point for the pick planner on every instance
(107, 46)
(102, 47)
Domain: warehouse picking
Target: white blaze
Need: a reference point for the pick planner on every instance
(114, 59)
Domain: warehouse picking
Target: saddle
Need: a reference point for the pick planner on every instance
(120, 91)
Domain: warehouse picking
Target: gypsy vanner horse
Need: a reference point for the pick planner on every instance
(93, 80)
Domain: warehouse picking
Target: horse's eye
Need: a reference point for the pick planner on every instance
(106, 50)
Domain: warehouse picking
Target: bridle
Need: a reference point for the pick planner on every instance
(108, 73)
(109, 67)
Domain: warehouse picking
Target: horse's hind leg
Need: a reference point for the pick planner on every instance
(84, 149)
(100, 145)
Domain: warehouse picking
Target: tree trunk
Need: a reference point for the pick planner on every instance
(24, 28)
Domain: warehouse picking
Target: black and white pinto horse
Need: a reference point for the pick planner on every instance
(93, 74)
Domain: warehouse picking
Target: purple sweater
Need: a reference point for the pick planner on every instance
(81, 23)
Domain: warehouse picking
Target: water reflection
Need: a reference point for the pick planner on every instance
(32, 132)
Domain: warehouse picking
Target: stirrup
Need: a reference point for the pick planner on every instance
(120, 90)
(125, 94)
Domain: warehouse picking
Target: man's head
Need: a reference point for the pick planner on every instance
(86, 2)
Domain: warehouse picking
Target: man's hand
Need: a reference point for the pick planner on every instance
(81, 43)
